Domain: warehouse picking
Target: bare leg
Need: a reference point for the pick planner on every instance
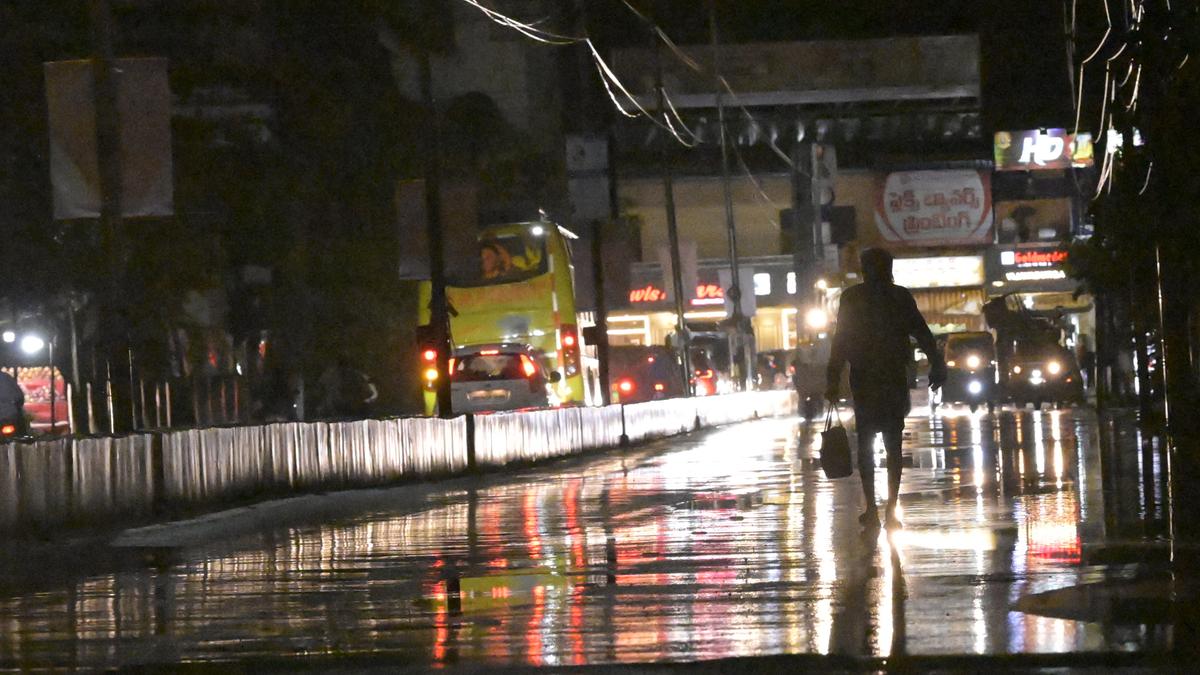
(866, 472)
(895, 466)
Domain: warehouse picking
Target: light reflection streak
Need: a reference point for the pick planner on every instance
(826, 567)
(1039, 443)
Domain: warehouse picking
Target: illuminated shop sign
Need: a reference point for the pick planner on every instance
(1042, 149)
(706, 294)
(1033, 264)
(941, 272)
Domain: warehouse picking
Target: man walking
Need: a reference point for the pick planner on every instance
(875, 320)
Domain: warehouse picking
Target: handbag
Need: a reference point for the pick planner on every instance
(835, 446)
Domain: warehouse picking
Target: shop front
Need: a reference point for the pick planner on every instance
(1034, 276)
(647, 314)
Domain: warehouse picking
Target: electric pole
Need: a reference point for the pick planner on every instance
(681, 331)
(740, 353)
(439, 316)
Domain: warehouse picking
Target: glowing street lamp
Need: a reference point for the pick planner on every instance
(32, 344)
(816, 319)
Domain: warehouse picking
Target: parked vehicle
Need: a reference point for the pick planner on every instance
(643, 373)
(503, 376)
(970, 370)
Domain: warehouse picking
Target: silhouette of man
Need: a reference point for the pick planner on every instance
(875, 320)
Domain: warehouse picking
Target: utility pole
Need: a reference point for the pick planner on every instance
(740, 353)
(108, 146)
(438, 311)
(601, 310)
(801, 175)
(681, 331)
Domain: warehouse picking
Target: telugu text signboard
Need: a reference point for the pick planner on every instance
(935, 208)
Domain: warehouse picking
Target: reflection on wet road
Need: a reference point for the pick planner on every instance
(721, 544)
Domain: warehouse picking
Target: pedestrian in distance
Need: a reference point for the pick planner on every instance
(346, 392)
(875, 321)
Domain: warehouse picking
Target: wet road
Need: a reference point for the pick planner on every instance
(724, 543)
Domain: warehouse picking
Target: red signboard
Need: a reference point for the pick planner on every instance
(35, 382)
(1038, 257)
(935, 208)
(651, 293)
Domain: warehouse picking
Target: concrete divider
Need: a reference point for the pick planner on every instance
(654, 419)
(93, 481)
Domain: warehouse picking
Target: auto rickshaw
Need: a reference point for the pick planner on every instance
(970, 370)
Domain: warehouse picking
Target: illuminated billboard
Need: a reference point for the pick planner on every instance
(1042, 149)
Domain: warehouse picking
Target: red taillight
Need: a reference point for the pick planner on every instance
(528, 366)
(704, 375)
(429, 355)
(626, 386)
(8, 429)
(450, 365)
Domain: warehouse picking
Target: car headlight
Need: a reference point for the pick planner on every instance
(1054, 367)
(973, 362)
(1016, 370)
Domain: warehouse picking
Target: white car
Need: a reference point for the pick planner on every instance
(505, 376)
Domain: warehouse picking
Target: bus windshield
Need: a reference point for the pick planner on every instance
(511, 257)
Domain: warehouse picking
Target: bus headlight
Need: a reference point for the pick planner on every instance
(975, 387)
(973, 361)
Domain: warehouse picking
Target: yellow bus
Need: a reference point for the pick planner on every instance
(524, 293)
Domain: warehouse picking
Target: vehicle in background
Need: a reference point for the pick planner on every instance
(774, 369)
(970, 370)
(708, 353)
(503, 376)
(643, 373)
(1043, 373)
(523, 292)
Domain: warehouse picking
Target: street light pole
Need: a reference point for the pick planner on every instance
(740, 355)
(672, 226)
(439, 311)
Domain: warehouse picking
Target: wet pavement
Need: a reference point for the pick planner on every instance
(727, 543)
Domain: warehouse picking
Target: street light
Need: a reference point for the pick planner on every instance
(32, 344)
(816, 318)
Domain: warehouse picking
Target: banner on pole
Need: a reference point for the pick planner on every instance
(144, 122)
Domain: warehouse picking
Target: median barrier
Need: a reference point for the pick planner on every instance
(654, 419)
(99, 480)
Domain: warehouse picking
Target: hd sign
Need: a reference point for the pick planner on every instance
(1040, 149)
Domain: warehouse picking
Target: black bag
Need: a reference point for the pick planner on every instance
(835, 447)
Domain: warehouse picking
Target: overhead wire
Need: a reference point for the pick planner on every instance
(695, 66)
(612, 83)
